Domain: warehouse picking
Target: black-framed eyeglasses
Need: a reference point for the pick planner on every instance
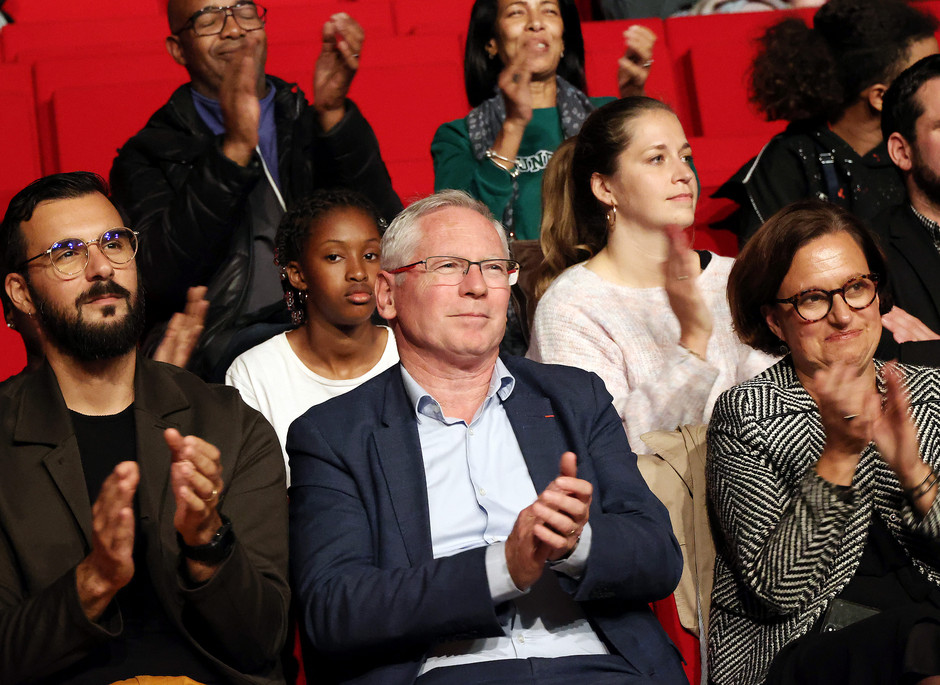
(70, 255)
(210, 21)
(815, 304)
(497, 273)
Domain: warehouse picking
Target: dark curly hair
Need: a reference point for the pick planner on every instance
(293, 233)
(480, 73)
(766, 258)
(807, 73)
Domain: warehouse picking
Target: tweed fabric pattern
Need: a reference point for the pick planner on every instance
(788, 541)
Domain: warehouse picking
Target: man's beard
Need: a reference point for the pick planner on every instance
(925, 178)
(85, 341)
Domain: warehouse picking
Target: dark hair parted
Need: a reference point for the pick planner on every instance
(481, 72)
(762, 265)
(67, 186)
(574, 221)
(806, 73)
(293, 233)
(901, 107)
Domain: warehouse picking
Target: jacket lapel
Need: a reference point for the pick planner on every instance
(533, 421)
(399, 456)
(916, 247)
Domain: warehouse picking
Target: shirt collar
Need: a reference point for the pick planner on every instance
(210, 111)
(933, 228)
(502, 383)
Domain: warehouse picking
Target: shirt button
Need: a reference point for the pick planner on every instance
(470, 431)
(482, 492)
(520, 639)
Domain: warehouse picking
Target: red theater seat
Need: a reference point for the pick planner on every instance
(303, 21)
(82, 37)
(70, 10)
(18, 122)
(417, 16)
(89, 139)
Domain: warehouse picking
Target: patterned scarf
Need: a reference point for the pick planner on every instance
(486, 120)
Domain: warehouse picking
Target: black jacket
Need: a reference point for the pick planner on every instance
(190, 203)
(808, 161)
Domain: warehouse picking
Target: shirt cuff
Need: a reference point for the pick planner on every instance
(502, 589)
(574, 566)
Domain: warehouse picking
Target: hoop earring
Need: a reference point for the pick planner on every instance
(612, 217)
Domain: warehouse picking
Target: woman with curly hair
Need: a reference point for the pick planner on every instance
(828, 81)
(327, 249)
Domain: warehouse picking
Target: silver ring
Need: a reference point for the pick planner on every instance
(647, 64)
(683, 277)
(356, 55)
(849, 417)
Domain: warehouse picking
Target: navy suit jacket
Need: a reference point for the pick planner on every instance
(372, 598)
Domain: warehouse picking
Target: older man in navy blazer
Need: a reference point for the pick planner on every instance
(467, 518)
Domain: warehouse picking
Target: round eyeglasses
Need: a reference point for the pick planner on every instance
(497, 273)
(815, 304)
(70, 255)
(210, 21)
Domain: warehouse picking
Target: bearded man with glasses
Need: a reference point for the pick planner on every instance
(467, 517)
(208, 178)
(143, 519)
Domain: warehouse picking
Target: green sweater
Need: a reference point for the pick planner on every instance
(456, 167)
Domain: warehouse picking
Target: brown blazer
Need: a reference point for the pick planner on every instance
(45, 527)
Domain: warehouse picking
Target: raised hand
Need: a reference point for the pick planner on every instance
(634, 67)
(907, 327)
(844, 396)
(681, 269)
(515, 84)
(548, 529)
(238, 98)
(110, 565)
(184, 329)
(337, 64)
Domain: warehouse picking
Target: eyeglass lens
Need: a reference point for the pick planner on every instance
(858, 293)
(211, 20)
(452, 270)
(70, 256)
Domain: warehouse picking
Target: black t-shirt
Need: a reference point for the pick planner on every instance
(150, 643)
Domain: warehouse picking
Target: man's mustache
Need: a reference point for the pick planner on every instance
(102, 288)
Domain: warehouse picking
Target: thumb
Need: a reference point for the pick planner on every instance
(173, 440)
(569, 465)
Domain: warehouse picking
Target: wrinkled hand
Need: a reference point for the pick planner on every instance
(110, 565)
(634, 67)
(184, 329)
(907, 327)
(238, 98)
(337, 64)
(549, 528)
(681, 270)
(196, 479)
(893, 430)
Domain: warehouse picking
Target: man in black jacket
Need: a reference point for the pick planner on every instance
(208, 178)
(910, 233)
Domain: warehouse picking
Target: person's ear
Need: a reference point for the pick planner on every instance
(875, 95)
(175, 49)
(295, 276)
(385, 295)
(900, 151)
(771, 317)
(18, 293)
(600, 186)
(492, 48)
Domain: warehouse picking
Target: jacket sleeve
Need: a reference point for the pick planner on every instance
(187, 204)
(456, 167)
(780, 535)
(350, 601)
(240, 614)
(634, 555)
(351, 158)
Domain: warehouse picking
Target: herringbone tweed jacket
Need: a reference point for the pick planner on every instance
(787, 541)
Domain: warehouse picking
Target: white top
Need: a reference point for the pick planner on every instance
(272, 379)
(630, 338)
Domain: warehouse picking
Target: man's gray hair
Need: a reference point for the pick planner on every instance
(401, 239)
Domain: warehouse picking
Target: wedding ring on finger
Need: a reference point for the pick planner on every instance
(683, 277)
(647, 64)
(212, 497)
(849, 417)
(572, 532)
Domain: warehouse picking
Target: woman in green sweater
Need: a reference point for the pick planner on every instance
(524, 75)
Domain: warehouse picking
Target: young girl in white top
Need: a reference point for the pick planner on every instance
(629, 299)
(328, 251)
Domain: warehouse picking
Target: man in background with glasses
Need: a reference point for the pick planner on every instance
(910, 232)
(143, 519)
(466, 517)
(210, 175)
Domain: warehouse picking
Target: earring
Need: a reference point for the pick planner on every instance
(612, 217)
